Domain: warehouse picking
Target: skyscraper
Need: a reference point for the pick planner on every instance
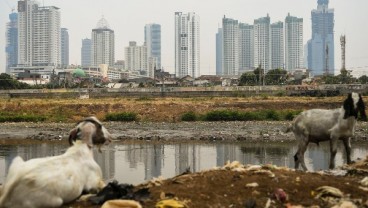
(262, 43)
(86, 52)
(219, 51)
(38, 34)
(152, 38)
(246, 48)
(103, 44)
(230, 61)
(64, 47)
(136, 58)
(321, 47)
(187, 45)
(293, 43)
(277, 45)
(11, 41)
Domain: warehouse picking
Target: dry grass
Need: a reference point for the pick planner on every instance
(155, 109)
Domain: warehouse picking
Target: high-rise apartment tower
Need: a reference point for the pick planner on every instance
(64, 47)
(187, 45)
(86, 52)
(321, 47)
(38, 34)
(11, 42)
(262, 43)
(294, 57)
(152, 38)
(103, 44)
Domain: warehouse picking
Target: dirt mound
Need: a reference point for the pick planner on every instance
(236, 185)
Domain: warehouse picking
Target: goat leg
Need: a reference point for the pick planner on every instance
(333, 150)
(299, 156)
(347, 149)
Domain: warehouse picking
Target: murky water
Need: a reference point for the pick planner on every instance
(136, 163)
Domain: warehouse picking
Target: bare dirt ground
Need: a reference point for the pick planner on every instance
(233, 185)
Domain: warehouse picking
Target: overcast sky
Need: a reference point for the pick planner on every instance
(128, 18)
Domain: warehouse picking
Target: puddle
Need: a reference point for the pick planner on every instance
(136, 163)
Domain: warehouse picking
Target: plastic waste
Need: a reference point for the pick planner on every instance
(171, 203)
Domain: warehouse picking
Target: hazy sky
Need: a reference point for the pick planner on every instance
(128, 18)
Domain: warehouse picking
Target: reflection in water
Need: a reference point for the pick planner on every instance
(136, 163)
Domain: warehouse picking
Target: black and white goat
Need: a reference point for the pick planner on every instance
(317, 125)
(53, 181)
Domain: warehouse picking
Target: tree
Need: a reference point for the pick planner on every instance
(363, 79)
(7, 82)
(248, 78)
(276, 77)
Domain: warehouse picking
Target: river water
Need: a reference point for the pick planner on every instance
(136, 163)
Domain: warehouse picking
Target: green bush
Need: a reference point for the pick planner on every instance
(262, 115)
(189, 116)
(273, 115)
(124, 116)
(222, 115)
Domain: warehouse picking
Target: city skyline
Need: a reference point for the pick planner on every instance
(128, 21)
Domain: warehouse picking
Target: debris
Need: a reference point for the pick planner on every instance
(268, 203)
(253, 168)
(171, 203)
(118, 203)
(252, 185)
(251, 203)
(345, 204)
(364, 181)
(328, 191)
(280, 195)
(113, 190)
(266, 172)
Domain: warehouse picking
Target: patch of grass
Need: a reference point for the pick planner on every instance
(222, 115)
(124, 116)
(189, 116)
(262, 115)
(144, 99)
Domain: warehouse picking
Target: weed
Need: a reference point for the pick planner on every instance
(124, 116)
(189, 116)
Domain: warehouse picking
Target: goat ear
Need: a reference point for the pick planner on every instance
(348, 106)
(73, 135)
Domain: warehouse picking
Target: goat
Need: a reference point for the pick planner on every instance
(318, 125)
(53, 181)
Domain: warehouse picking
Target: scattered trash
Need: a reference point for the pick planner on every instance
(171, 203)
(118, 203)
(113, 190)
(280, 195)
(252, 185)
(364, 181)
(250, 203)
(345, 204)
(268, 203)
(253, 168)
(324, 191)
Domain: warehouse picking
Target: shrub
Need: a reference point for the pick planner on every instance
(189, 116)
(124, 116)
(290, 115)
(222, 115)
(272, 115)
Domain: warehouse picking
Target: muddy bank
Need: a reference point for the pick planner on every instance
(161, 131)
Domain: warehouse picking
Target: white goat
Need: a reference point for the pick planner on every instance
(317, 125)
(53, 181)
